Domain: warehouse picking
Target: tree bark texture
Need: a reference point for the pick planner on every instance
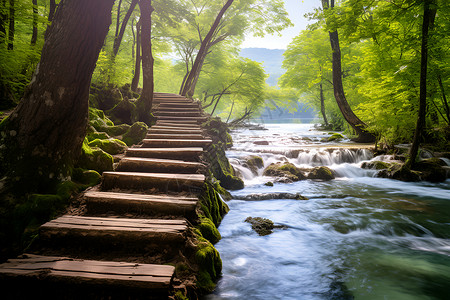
(118, 38)
(146, 99)
(137, 67)
(44, 134)
(11, 29)
(189, 85)
(35, 23)
(3, 19)
(322, 105)
(348, 114)
(427, 16)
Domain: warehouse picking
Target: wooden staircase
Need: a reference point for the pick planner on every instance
(160, 180)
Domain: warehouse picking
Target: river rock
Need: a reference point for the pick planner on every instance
(398, 172)
(323, 173)
(432, 170)
(253, 163)
(286, 172)
(269, 196)
(262, 143)
(375, 165)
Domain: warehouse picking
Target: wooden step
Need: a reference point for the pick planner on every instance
(179, 136)
(183, 125)
(171, 105)
(171, 100)
(161, 181)
(167, 143)
(159, 114)
(156, 165)
(182, 119)
(96, 230)
(63, 278)
(176, 109)
(178, 130)
(186, 154)
(101, 202)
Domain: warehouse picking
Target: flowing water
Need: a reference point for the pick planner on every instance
(357, 237)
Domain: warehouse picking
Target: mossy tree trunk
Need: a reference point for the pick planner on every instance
(44, 134)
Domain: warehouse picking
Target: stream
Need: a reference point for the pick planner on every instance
(357, 237)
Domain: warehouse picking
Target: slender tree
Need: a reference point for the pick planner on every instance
(137, 66)
(44, 134)
(144, 102)
(3, 19)
(428, 14)
(35, 23)
(189, 85)
(348, 114)
(11, 29)
(119, 36)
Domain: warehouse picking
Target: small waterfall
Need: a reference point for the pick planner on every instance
(242, 171)
(328, 157)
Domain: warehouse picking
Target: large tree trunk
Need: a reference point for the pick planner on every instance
(11, 31)
(137, 67)
(348, 114)
(43, 136)
(35, 23)
(189, 85)
(119, 37)
(144, 103)
(427, 16)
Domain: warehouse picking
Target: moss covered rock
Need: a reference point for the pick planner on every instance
(399, 172)
(322, 173)
(101, 123)
(335, 137)
(209, 230)
(376, 165)
(286, 172)
(431, 170)
(135, 134)
(253, 163)
(94, 159)
(262, 226)
(212, 205)
(210, 265)
(88, 177)
(221, 169)
(97, 135)
(111, 146)
(123, 112)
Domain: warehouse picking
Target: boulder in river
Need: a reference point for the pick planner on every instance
(262, 226)
(323, 173)
(262, 143)
(432, 170)
(375, 165)
(286, 172)
(253, 163)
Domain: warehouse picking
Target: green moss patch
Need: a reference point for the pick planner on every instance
(135, 134)
(209, 230)
(111, 146)
(286, 172)
(94, 159)
(322, 173)
(210, 265)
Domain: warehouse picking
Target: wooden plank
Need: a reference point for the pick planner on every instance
(186, 154)
(190, 114)
(150, 204)
(178, 122)
(174, 131)
(142, 181)
(177, 136)
(112, 230)
(177, 109)
(138, 164)
(176, 126)
(170, 118)
(165, 143)
(148, 276)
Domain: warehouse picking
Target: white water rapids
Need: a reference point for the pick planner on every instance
(357, 237)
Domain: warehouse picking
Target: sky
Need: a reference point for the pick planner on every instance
(296, 10)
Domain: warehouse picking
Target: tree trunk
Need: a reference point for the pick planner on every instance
(119, 37)
(137, 67)
(144, 103)
(35, 23)
(322, 105)
(51, 13)
(427, 16)
(189, 86)
(348, 114)
(44, 134)
(11, 30)
(118, 19)
(3, 18)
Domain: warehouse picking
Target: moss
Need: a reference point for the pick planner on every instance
(270, 183)
(94, 159)
(180, 296)
(221, 168)
(284, 170)
(67, 188)
(111, 146)
(335, 137)
(123, 112)
(97, 135)
(209, 230)
(376, 165)
(254, 163)
(135, 134)
(212, 205)
(117, 130)
(323, 173)
(210, 265)
(87, 177)
(262, 226)
(431, 170)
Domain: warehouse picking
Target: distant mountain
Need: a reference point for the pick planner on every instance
(272, 60)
